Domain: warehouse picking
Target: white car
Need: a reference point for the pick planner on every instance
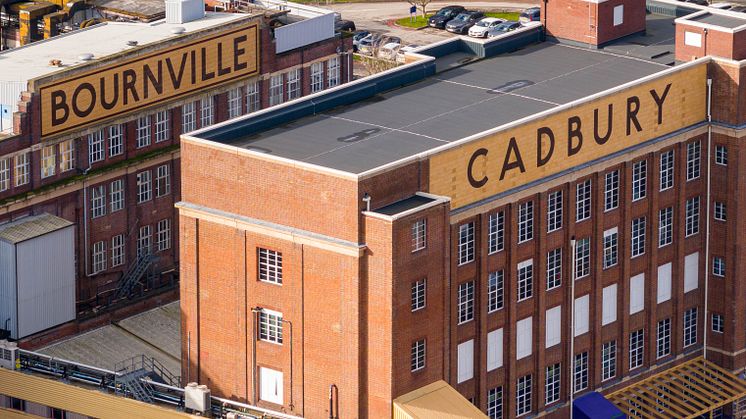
(721, 5)
(480, 29)
(389, 51)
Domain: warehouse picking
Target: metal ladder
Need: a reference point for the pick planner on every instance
(132, 277)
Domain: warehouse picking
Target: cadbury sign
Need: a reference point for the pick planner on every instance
(142, 81)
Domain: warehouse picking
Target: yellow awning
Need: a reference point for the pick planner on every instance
(688, 390)
(436, 400)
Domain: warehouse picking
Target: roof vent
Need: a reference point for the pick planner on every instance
(132, 43)
(86, 56)
(178, 29)
(183, 11)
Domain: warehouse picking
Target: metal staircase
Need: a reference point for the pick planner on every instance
(134, 274)
(130, 373)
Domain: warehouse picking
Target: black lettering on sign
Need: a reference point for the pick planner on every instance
(470, 169)
(633, 106)
(510, 164)
(176, 79)
(221, 70)
(129, 77)
(59, 103)
(238, 52)
(601, 140)
(573, 131)
(109, 104)
(541, 158)
(659, 101)
(205, 75)
(152, 79)
(82, 113)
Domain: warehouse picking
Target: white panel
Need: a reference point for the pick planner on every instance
(609, 305)
(305, 32)
(691, 272)
(618, 15)
(554, 326)
(10, 94)
(270, 385)
(46, 285)
(525, 264)
(8, 297)
(664, 283)
(636, 293)
(611, 231)
(494, 349)
(693, 39)
(37, 409)
(524, 339)
(581, 315)
(466, 361)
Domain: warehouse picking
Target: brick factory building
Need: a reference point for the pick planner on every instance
(94, 138)
(521, 225)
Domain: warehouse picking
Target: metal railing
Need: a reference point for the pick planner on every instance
(152, 365)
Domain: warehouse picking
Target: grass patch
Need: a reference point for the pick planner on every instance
(503, 15)
(420, 21)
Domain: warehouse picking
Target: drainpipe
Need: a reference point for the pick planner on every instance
(85, 220)
(253, 353)
(291, 363)
(707, 223)
(571, 366)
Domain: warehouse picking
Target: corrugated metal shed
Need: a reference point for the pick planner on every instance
(30, 227)
(435, 401)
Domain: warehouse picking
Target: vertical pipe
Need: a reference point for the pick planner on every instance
(253, 356)
(571, 314)
(291, 363)
(707, 214)
(189, 357)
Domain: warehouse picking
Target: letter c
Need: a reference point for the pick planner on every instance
(476, 183)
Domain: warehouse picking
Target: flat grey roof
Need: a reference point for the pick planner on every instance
(406, 204)
(730, 22)
(446, 107)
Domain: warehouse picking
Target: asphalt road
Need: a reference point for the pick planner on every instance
(374, 17)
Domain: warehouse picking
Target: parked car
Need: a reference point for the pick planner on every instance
(532, 14)
(357, 37)
(439, 19)
(464, 21)
(699, 2)
(479, 30)
(342, 25)
(503, 28)
(721, 5)
(389, 50)
(367, 45)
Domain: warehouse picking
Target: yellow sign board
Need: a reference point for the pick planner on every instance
(142, 81)
(569, 138)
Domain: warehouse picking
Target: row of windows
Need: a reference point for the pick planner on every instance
(100, 253)
(116, 191)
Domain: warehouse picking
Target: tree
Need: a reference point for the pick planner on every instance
(421, 4)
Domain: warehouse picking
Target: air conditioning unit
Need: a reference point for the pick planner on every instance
(197, 398)
(8, 354)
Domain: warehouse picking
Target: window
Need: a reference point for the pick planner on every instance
(495, 403)
(495, 284)
(253, 97)
(333, 71)
(496, 237)
(693, 160)
(99, 257)
(465, 302)
(117, 250)
(692, 216)
(188, 117)
(663, 342)
(554, 211)
(48, 161)
(666, 170)
(234, 102)
(553, 329)
(116, 195)
(690, 327)
(639, 180)
(611, 190)
(717, 323)
(611, 246)
(494, 349)
(581, 315)
(116, 140)
(582, 258)
(67, 155)
(718, 266)
(720, 211)
(465, 243)
(524, 338)
(693, 39)
(691, 272)
(96, 146)
(275, 90)
(23, 165)
(270, 326)
(721, 155)
(525, 221)
(580, 377)
(98, 201)
(143, 131)
(144, 187)
(665, 226)
(270, 266)
(4, 174)
(271, 386)
(163, 235)
(294, 84)
(608, 360)
(618, 15)
(317, 77)
(162, 180)
(162, 126)
(143, 241)
(638, 236)
(583, 204)
(465, 361)
(664, 283)
(523, 395)
(636, 348)
(419, 235)
(609, 300)
(637, 293)
(525, 279)
(554, 268)
(206, 111)
(418, 355)
(552, 385)
(418, 294)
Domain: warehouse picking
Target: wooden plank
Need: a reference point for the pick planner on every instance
(728, 376)
(695, 401)
(713, 389)
(652, 407)
(663, 399)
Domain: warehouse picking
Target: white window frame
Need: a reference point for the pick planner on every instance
(718, 323)
(144, 240)
(143, 131)
(719, 212)
(582, 258)
(206, 111)
(637, 242)
(496, 235)
(665, 226)
(525, 221)
(269, 264)
(611, 248)
(270, 326)
(333, 72)
(234, 102)
(253, 97)
(525, 280)
(583, 191)
(552, 383)
(692, 216)
(96, 151)
(48, 161)
(116, 139)
(419, 294)
(666, 163)
(4, 174)
(162, 180)
(608, 360)
(188, 117)
(419, 234)
(663, 338)
(67, 155)
(276, 93)
(22, 168)
(466, 243)
(554, 211)
(465, 302)
(163, 235)
(721, 155)
(690, 326)
(418, 354)
(294, 85)
(524, 395)
(116, 195)
(162, 126)
(580, 372)
(718, 266)
(611, 190)
(317, 77)
(117, 250)
(98, 201)
(495, 291)
(495, 403)
(639, 180)
(693, 160)
(144, 186)
(98, 259)
(554, 269)
(636, 349)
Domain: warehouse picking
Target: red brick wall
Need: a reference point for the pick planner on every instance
(714, 42)
(633, 22)
(592, 23)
